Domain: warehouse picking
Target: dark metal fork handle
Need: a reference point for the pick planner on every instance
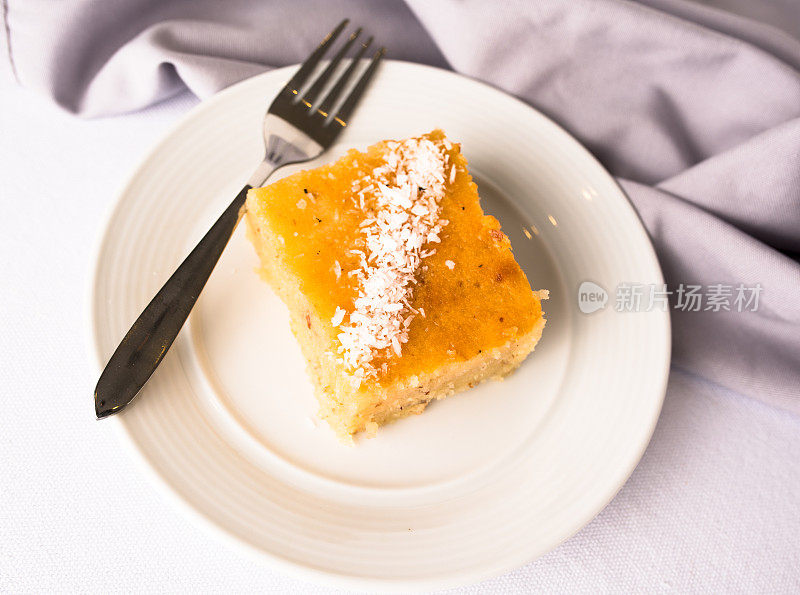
(148, 340)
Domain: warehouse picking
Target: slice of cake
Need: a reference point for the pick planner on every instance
(400, 289)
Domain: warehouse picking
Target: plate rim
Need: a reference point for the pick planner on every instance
(251, 551)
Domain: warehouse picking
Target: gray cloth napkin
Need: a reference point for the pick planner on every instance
(696, 110)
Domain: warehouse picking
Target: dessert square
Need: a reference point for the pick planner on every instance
(400, 289)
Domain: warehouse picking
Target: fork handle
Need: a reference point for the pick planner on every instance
(148, 340)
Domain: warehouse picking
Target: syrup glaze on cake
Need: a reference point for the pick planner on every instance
(400, 289)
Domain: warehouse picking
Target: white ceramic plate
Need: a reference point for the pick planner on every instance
(482, 482)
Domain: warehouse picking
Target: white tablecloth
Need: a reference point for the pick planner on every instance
(714, 506)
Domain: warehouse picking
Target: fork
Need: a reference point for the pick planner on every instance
(297, 127)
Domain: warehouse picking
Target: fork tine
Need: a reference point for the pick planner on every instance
(311, 95)
(293, 86)
(355, 95)
(333, 94)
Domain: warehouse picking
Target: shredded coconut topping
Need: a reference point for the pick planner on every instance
(401, 206)
(338, 316)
